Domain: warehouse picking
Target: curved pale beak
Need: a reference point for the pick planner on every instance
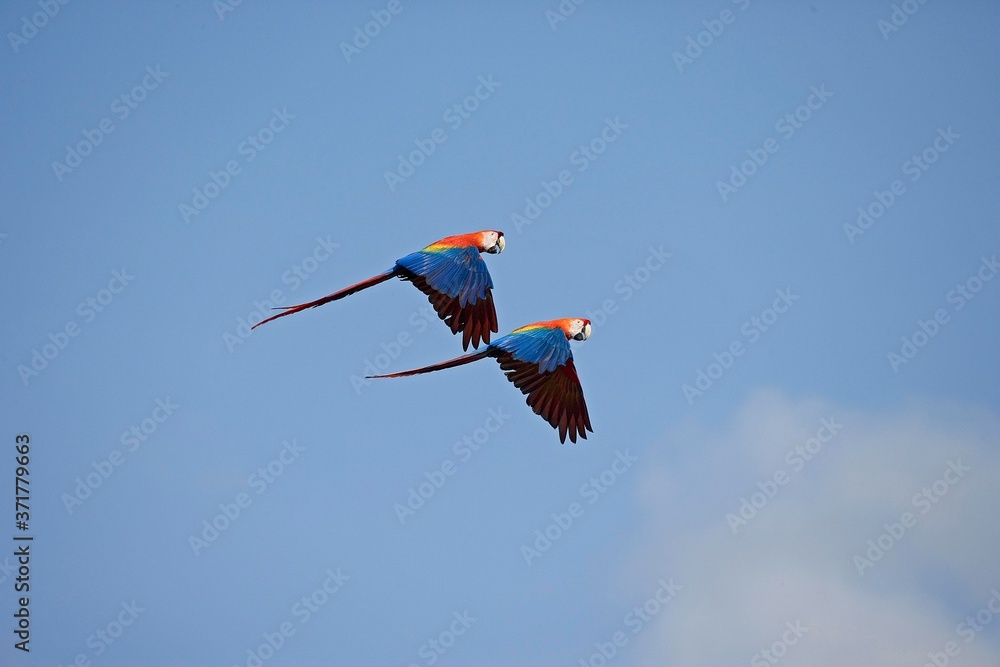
(498, 248)
(584, 333)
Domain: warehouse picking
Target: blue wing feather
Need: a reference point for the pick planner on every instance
(457, 272)
(546, 347)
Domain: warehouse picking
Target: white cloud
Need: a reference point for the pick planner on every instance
(793, 560)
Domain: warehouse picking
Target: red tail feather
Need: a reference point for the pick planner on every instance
(347, 291)
(451, 363)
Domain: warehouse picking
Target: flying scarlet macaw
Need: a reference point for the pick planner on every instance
(538, 360)
(452, 275)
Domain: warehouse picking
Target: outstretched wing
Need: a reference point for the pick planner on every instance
(458, 285)
(540, 364)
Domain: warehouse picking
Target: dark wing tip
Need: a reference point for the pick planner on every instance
(475, 320)
(556, 396)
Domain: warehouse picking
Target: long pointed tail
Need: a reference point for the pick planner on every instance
(451, 363)
(347, 291)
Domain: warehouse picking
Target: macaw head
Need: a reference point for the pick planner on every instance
(578, 329)
(491, 241)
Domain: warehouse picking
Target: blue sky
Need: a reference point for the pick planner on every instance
(771, 384)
